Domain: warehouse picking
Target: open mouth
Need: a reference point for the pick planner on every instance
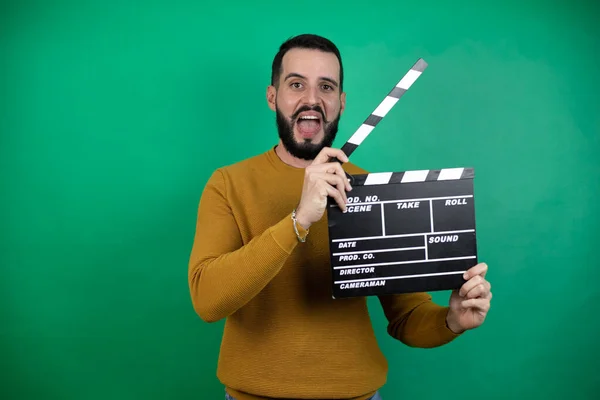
(309, 124)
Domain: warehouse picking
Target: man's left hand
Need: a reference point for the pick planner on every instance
(469, 305)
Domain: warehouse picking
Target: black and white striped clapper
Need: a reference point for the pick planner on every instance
(406, 231)
(384, 107)
(403, 232)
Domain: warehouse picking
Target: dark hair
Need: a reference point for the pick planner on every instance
(305, 41)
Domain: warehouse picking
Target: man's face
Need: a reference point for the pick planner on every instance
(308, 102)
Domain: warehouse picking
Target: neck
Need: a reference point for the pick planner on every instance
(289, 159)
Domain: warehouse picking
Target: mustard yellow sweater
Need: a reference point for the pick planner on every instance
(284, 335)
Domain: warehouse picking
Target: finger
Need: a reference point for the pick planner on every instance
(470, 284)
(337, 195)
(339, 171)
(478, 304)
(336, 169)
(335, 181)
(480, 290)
(330, 168)
(327, 183)
(479, 269)
(326, 153)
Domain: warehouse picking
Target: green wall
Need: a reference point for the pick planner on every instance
(113, 116)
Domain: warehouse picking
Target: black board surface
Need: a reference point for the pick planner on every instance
(403, 232)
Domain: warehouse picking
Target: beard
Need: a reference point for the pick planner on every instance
(306, 150)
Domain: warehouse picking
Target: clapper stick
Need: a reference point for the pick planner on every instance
(383, 109)
(401, 232)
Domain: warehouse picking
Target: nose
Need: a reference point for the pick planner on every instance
(312, 97)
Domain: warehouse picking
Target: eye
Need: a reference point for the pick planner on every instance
(296, 85)
(327, 87)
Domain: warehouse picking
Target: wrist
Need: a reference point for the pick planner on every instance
(300, 219)
(303, 223)
(452, 323)
(299, 229)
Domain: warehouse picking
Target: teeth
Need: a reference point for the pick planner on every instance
(309, 117)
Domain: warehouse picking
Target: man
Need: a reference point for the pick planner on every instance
(260, 257)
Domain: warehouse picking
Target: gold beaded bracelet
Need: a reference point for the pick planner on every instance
(301, 239)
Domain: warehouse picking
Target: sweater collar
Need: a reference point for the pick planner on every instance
(279, 165)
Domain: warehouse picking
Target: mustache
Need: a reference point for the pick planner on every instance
(307, 108)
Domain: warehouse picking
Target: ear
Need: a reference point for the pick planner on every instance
(271, 95)
(342, 102)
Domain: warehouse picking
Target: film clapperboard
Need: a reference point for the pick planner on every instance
(406, 231)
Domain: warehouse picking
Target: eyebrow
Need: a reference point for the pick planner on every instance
(296, 75)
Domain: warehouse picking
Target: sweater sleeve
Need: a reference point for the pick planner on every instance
(223, 273)
(416, 320)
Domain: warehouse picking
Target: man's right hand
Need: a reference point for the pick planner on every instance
(322, 179)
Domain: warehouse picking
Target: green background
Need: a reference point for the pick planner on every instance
(114, 115)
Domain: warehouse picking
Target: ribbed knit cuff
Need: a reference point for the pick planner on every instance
(446, 334)
(284, 234)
